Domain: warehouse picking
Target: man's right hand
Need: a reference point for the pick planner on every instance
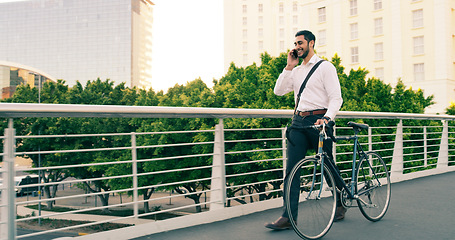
(292, 61)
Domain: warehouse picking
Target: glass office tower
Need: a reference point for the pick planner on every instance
(80, 40)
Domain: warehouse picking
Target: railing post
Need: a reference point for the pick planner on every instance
(397, 160)
(370, 148)
(218, 184)
(334, 146)
(443, 157)
(425, 146)
(283, 143)
(8, 226)
(370, 139)
(135, 182)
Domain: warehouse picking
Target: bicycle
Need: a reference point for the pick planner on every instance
(369, 187)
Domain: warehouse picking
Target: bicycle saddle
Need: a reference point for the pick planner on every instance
(358, 126)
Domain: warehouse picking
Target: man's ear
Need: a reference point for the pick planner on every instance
(312, 44)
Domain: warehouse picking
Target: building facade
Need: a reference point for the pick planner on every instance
(80, 40)
(411, 40)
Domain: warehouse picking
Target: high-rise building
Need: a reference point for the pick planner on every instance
(411, 40)
(80, 40)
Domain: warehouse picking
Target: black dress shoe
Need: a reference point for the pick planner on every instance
(281, 223)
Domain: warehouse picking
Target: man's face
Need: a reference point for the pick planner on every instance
(302, 46)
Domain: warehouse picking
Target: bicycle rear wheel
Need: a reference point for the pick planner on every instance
(373, 187)
(317, 201)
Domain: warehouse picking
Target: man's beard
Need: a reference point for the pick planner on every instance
(305, 53)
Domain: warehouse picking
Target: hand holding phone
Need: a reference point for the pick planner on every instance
(294, 53)
(293, 60)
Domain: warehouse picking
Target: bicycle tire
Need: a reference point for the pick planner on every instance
(315, 214)
(373, 186)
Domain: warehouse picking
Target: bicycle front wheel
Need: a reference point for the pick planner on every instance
(316, 204)
(373, 186)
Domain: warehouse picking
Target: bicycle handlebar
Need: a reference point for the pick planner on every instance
(328, 127)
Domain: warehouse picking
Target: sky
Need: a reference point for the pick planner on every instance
(188, 42)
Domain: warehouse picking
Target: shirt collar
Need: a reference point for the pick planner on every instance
(312, 61)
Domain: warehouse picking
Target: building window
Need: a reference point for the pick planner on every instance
(378, 51)
(244, 8)
(244, 21)
(418, 45)
(419, 72)
(245, 33)
(354, 31)
(245, 59)
(281, 7)
(261, 45)
(417, 18)
(295, 7)
(353, 7)
(295, 19)
(261, 20)
(378, 26)
(261, 8)
(281, 20)
(322, 35)
(281, 32)
(377, 4)
(245, 46)
(260, 32)
(321, 14)
(379, 73)
(354, 54)
(281, 45)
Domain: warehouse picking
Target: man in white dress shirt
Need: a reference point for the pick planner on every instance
(319, 102)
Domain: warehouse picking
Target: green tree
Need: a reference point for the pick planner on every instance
(52, 92)
(451, 109)
(193, 94)
(102, 93)
(95, 92)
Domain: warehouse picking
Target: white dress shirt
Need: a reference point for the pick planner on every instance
(322, 90)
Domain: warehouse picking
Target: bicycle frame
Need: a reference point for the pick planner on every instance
(350, 190)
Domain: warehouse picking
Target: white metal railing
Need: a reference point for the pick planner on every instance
(244, 169)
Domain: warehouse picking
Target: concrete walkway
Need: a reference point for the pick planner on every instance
(422, 209)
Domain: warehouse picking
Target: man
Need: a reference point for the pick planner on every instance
(320, 101)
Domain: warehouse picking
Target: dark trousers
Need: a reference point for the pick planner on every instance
(299, 142)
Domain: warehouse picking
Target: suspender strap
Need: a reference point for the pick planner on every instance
(304, 83)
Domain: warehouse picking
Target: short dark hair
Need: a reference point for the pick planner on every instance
(307, 35)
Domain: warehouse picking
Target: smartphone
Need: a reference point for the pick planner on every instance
(294, 54)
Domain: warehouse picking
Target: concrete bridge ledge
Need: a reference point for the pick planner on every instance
(185, 221)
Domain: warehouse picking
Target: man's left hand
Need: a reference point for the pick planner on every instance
(321, 121)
